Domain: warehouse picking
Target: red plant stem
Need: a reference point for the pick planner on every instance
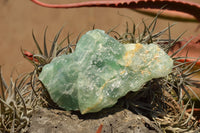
(195, 109)
(190, 60)
(99, 129)
(29, 56)
(196, 113)
(176, 5)
(168, 14)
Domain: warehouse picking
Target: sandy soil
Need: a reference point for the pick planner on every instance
(20, 17)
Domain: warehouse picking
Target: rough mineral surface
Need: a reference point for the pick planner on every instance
(101, 70)
(114, 120)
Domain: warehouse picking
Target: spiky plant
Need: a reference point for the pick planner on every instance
(44, 57)
(162, 100)
(17, 101)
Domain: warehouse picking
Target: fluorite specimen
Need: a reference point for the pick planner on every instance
(101, 70)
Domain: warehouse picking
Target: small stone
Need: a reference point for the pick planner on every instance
(101, 70)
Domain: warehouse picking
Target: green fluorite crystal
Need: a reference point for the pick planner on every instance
(101, 70)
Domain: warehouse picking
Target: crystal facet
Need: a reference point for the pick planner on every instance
(101, 70)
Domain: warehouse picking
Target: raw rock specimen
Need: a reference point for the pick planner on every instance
(101, 70)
